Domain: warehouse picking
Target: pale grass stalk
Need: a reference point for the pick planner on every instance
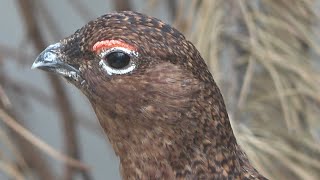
(11, 171)
(9, 121)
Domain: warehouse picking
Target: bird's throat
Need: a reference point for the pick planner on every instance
(166, 150)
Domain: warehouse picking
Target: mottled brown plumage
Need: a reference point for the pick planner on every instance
(165, 117)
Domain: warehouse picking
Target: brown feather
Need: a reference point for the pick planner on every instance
(166, 119)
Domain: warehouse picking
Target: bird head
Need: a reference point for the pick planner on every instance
(130, 64)
(153, 95)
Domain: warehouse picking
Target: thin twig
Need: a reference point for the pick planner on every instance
(11, 171)
(81, 9)
(14, 53)
(8, 142)
(122, 5)
(51, 26)
(32, 156)
(4, 100)
(250, 68)
(62, 102)
(9, 121)
(26, 90)
(172, 8)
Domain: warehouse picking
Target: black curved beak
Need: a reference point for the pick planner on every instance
(50, 60)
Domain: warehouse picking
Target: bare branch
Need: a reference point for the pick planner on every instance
(122, 5)
(63, 104)
(9, 121)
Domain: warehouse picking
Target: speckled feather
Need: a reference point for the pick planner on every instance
(167, 118)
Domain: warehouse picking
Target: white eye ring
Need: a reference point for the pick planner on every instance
(108, 69)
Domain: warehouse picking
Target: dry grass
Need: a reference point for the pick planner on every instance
(264, 55)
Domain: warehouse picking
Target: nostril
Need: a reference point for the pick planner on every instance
(49, 57)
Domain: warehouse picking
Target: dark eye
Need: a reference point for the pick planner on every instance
(118, 60)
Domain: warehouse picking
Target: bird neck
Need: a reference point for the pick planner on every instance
(199, 141)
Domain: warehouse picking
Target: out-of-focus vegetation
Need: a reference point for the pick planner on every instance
(264, 54)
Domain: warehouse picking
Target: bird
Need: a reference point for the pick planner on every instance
(154, 97)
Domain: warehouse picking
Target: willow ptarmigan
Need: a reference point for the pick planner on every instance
(154, 97)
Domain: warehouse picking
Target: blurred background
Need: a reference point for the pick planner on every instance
(264, 55)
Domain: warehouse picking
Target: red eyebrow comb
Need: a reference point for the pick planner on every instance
(107, 44)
